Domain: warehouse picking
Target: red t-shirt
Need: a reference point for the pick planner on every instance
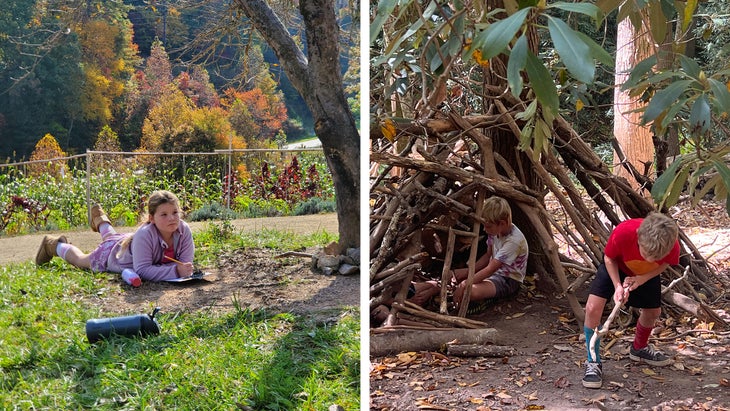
(623, 246)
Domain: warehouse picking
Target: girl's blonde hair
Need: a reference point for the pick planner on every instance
(496, 209)
(657, 235)
(158, 198)
(155, 200)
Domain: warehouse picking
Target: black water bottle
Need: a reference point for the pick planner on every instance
(128, 326)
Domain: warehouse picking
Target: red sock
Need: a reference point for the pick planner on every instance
(641, 338)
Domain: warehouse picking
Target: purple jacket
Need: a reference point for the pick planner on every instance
(145, 253)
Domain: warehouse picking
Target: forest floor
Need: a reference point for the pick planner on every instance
(546, 370)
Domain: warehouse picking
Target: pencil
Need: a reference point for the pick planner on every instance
(172, 259)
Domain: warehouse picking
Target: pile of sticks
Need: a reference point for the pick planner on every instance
(428, 181)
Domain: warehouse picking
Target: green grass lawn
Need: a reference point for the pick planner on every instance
(200, 361)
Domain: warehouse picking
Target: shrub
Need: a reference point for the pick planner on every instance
(315, 205)
(213, 211)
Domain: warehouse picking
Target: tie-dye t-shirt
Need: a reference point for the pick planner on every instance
(623, 246)
(510, 249)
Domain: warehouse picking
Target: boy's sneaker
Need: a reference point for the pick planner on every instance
(649, 355)
(593, 377)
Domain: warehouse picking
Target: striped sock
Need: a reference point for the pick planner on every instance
(62, 249)
(589, 334)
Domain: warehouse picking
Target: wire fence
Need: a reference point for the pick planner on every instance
(183, 170)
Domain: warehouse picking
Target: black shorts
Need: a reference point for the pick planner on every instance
(648, 295)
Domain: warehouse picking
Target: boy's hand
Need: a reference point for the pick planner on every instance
(621, 294)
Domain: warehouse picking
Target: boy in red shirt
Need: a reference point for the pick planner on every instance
(637, 251)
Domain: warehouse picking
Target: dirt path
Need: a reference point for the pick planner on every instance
(23, 248)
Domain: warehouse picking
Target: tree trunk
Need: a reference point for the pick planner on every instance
(318, 79)
(635, 140)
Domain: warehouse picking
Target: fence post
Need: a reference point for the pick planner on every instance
(88, 186)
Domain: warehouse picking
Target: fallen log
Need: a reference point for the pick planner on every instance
(389, 341)
(479, 350)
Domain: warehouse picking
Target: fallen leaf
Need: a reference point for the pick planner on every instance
(562, 347)
(476, 400)
(648, 371)
(562, 382)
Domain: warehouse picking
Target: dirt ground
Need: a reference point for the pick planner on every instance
(248, 277)
(546, 371)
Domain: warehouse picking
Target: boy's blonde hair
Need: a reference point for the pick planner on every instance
(657, 235)
(496, 209)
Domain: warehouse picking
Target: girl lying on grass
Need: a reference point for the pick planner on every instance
(160, 249)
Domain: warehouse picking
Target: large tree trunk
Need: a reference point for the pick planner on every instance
(635, 140)
(318, 79)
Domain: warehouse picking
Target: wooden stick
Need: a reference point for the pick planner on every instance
(445, 273)
(598, 333)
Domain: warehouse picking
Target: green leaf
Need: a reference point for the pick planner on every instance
(414, 28)
(710, 184)
(574, 53)
(672, 112)
(527, 3)
(588, 9)
(643, 67)
(699, 117)
(688, 13)
(725, 173)
(657, 21)
(664, 99)
(528, 113)
(690, 66)
(597, 52)
(526, 136)
(662, 184)
(721, 94)
(515, 64)
(497, 36)
(677, 187)
(607, 6)
(385, 9)
(542, 83)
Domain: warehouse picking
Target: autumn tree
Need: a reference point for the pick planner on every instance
(197, 87)
(107, 140)
(255, 115)
(109, 58)
(145, 89)
(48, 149)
